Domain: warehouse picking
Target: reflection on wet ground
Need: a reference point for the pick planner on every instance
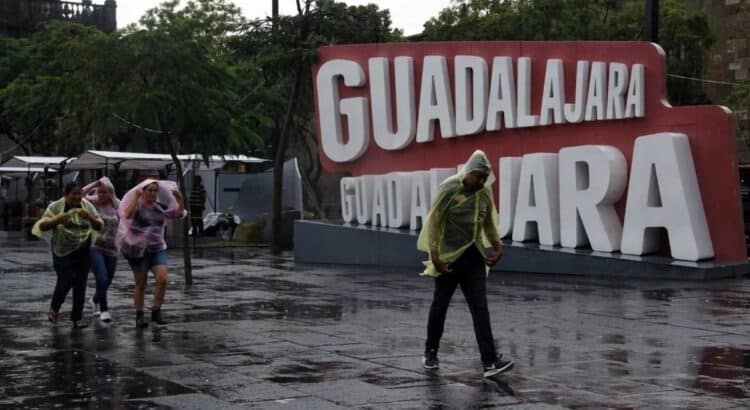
(257, 331)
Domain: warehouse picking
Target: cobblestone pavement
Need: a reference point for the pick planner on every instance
(258, 331)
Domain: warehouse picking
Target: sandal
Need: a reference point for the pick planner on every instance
(80, 324)
(53, 316)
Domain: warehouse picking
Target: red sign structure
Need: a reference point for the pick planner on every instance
(710, 129)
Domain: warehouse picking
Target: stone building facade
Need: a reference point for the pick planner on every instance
(19, 17)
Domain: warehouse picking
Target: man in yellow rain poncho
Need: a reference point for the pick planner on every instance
(460, 226)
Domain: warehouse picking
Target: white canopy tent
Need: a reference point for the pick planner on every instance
(19, 161)
(21, 171)
(94, 159)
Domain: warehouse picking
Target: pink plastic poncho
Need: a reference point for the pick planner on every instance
(93, 195)
(143, 231)
(106, 239)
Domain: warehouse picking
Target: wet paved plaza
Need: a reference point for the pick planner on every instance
(257, 331)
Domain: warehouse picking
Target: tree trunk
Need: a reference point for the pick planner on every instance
(278, 164)
(185, 221)
(310, 164)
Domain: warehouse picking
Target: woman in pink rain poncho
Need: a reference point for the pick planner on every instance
(103, 251)
(144, 212)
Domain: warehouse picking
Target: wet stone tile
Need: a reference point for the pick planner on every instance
(186, 402)
(257, 331)
(255, 392)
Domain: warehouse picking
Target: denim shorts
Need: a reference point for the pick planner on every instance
(148, 261)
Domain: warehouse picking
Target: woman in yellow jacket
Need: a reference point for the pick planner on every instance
(461, 223)
(68, 224)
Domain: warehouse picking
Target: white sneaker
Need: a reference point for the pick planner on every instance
(106, 317)
(94, 307)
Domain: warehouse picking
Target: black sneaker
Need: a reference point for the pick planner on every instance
(430, 360)
(140, 321)
(156, 317)
(497, 367)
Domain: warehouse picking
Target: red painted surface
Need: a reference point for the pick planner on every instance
(709, 128)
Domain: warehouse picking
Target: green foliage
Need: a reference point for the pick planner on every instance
(269, 53)
(683, 32)
(169, 82)
(40, 90)
(739, 98)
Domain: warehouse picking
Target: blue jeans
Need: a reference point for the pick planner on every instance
(104, 267)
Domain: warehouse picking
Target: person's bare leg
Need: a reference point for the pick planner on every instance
(139, 291)
(160, 286)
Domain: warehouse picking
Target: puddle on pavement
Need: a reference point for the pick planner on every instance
(284, 287)
(307, 371)
(285, 309)
(73, 378)
(724, 371)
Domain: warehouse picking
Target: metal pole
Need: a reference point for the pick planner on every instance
(652, 21)
(274, 8)
(216, 190)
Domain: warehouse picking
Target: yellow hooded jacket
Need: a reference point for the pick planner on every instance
(458, 220)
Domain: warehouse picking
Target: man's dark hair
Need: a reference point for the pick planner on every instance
(70, 186)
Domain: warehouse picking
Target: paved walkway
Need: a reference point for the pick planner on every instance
(256, 331)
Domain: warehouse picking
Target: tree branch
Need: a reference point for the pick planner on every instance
(134, 125)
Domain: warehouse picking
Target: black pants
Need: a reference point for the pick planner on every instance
(196, 220)
(72, 272)
(470, 273)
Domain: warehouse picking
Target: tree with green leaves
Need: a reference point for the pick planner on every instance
(684, 32)
(177, 88)
(284, 49)
(41, 91)
(169, 83)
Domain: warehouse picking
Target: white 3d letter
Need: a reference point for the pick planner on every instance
(420, 199)
(363, 196)
(502, 98)
(597, 97)
(510, 171)
(553, 96)
(399, 198)
(435, 101)
(592, 180)
(664, 193)
(331, 108)
(382, 110)
(574, 112)
(618, 83)
(471, 94)
(524, 95)
(348, 198)
(538, 203)
(379, 210)
(634, 107)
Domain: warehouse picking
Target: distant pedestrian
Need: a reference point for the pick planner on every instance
(103, 253)
(68, 224)
(144, 212)
(197, 206)
(461, 223)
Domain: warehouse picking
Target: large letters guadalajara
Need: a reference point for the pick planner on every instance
(586, 149)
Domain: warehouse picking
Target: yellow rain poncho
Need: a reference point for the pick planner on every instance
(457, 219)
(66, 238)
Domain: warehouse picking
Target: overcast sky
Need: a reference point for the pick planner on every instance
(408, 15)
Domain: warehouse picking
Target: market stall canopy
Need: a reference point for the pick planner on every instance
(142, 161)
(38, 162)
(21, 171)
(219, 161)
(125, 160)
